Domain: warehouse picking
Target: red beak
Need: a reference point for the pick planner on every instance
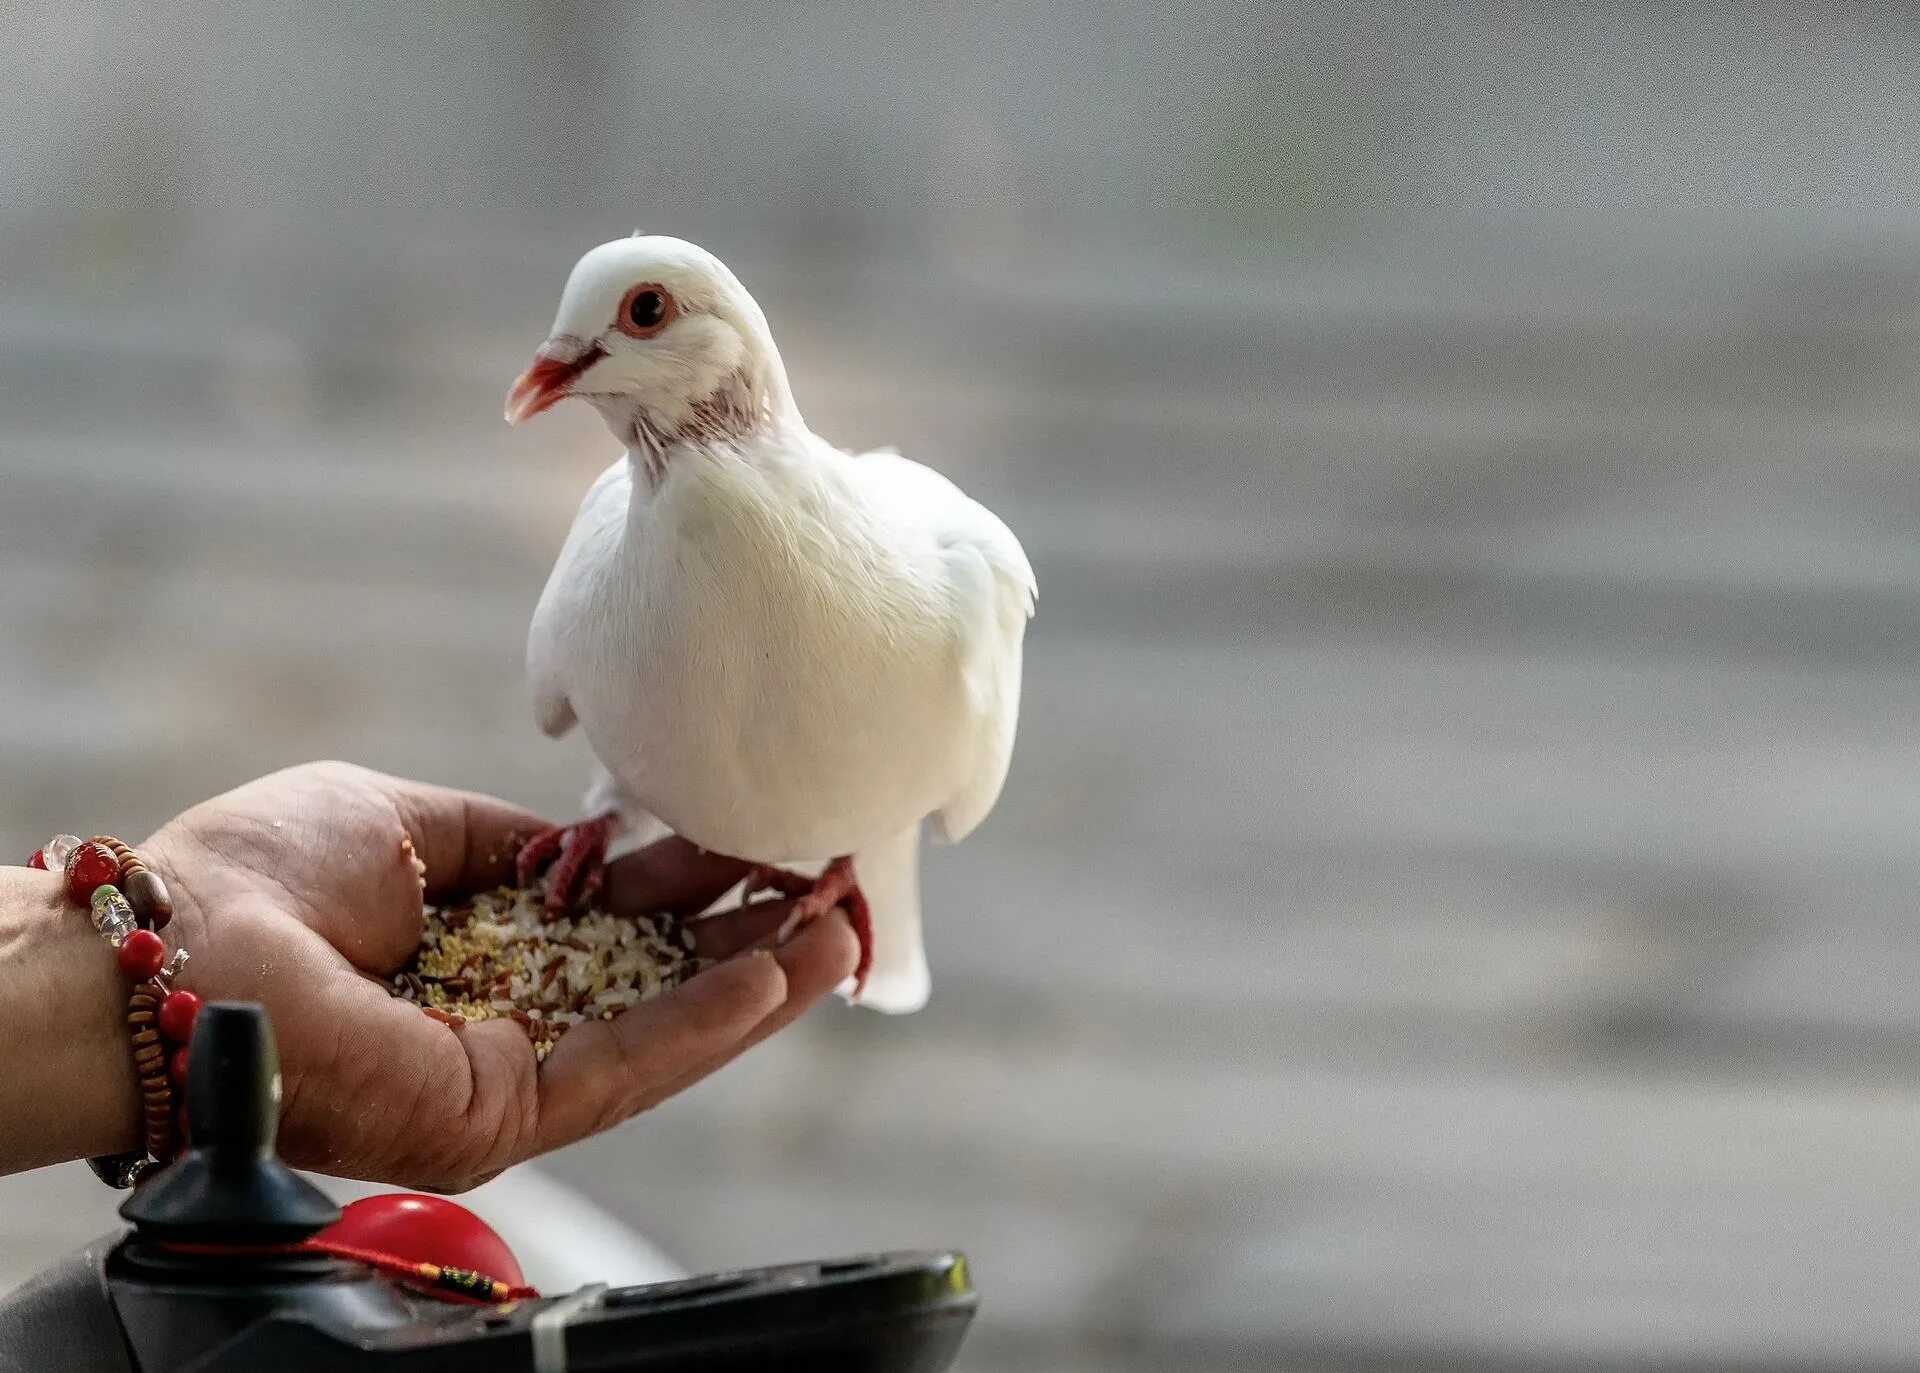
(547, 382)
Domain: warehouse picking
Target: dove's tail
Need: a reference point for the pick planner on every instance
(889, 875)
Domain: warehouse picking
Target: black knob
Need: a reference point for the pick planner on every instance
(233, 1086)
(230, 1188)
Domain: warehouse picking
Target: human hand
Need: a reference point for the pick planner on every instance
(299, 891)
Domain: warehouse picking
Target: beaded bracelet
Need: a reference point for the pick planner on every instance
(130, 906)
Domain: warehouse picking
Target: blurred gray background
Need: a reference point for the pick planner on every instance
(1454, 902)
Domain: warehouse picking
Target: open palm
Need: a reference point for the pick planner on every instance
(300, 891)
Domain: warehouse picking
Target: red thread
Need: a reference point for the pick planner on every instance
(422, 1277)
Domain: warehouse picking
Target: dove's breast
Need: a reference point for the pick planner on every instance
(777, 675)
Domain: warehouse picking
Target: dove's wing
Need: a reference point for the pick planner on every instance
(992, 591)
(561, 621)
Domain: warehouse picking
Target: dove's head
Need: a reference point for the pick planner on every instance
(664, 341)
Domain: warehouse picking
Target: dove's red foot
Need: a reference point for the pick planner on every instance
(578, 853)
(837, 886)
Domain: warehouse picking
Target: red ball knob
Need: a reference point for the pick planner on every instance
(425, 1230)
(177, 1070)
(177, 1012)
(89, 866)
(140, 958)
(39, 860)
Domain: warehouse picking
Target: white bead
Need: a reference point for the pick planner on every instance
(58, 849)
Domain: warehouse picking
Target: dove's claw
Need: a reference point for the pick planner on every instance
(578, 853)
(837, 886)
(536, 853)
(765, 877)
(594, 884)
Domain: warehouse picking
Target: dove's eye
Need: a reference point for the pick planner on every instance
(647, 309)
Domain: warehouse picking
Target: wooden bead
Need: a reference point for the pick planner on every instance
(123, 854)
(147, 894)
(144, 890)
(160, 1101)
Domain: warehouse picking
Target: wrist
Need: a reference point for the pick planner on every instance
(64, 1032)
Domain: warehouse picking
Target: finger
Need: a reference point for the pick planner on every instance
(816, 960)
(452, 841)
(671, 875)
(726, 933)
(447, 842)
(358, 1062)
(466, 840)
(605, 1070)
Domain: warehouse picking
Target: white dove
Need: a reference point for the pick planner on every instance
(781, 651)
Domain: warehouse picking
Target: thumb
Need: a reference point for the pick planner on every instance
(465, 840)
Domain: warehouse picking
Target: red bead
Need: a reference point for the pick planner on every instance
(141, 956)
(89, 866)
(39, 860)
(177, 1012)
(177, 1070)
(425, 1230)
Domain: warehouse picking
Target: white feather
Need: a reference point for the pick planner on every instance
(784, 652)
